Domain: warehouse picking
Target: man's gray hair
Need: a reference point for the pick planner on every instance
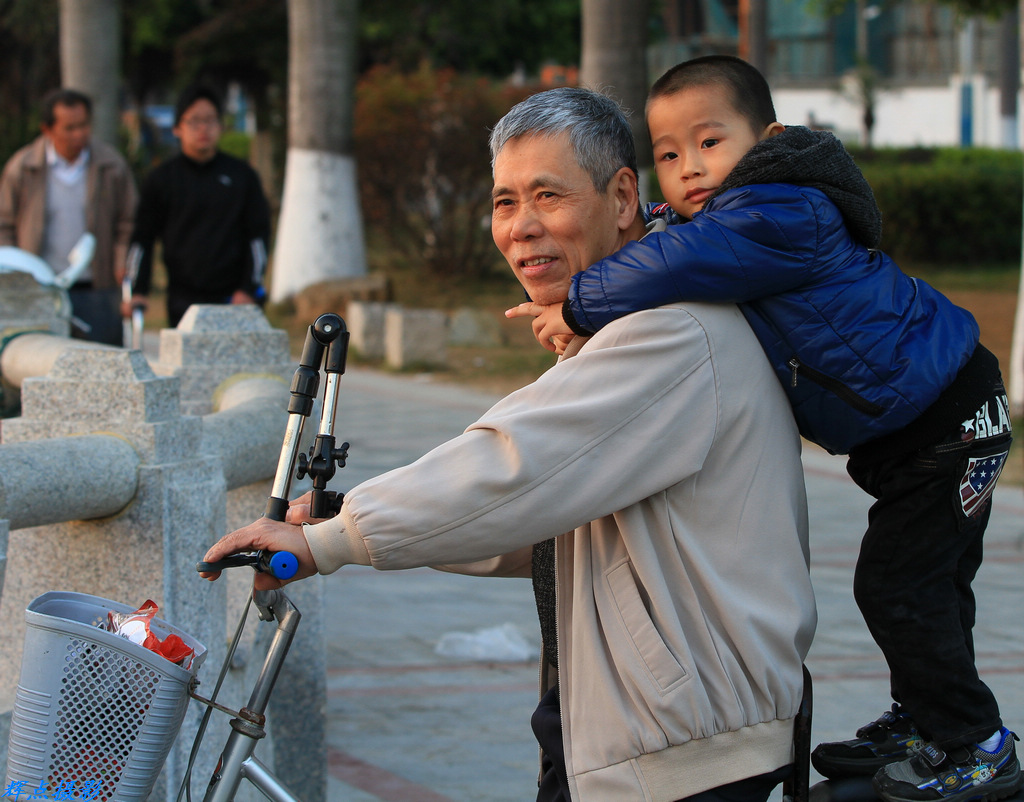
(598, 129)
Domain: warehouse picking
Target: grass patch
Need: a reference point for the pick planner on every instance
(988, 278)
(498, 369)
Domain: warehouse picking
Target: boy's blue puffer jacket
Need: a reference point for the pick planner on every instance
(861, 348)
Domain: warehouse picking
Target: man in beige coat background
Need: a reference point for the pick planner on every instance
(61, 185)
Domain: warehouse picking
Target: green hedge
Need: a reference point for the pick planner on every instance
(236, 143)
(943, 206)
(948, 205)
(420, 141)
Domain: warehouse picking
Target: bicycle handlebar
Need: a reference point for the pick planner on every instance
(279, 564)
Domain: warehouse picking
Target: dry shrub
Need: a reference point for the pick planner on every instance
(424, 167)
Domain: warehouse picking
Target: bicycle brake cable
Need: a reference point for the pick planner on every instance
(186, 782)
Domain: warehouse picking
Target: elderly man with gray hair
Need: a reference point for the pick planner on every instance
(649, 482)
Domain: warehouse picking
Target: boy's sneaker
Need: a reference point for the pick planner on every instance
(890, 738)
(966, 773)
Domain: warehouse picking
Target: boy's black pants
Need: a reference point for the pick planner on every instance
(913, 580)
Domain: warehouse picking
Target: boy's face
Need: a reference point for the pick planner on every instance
(698, 137)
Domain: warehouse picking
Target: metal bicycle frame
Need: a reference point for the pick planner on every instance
(237, 761)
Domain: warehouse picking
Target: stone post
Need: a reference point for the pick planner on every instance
(365, 322)
(26, 305)
(218, 353)
(215, 342)
(415, 337)
(4, 533)
(147, 550)
(102, 427)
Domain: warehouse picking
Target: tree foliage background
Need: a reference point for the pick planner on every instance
(432, 81)
(27, 29)
(968, 8)
(421, 146)
(169, 43)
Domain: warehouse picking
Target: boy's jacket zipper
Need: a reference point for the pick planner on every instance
(835, 386)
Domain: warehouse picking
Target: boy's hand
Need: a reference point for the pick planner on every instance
(549, 327)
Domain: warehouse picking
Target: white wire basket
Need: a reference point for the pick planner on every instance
(95, 714)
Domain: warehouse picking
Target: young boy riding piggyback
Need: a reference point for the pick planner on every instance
(876, 364)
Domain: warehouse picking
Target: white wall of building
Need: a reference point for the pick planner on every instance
(926, 116)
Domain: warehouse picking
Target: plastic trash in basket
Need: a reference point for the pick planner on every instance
(95, 714)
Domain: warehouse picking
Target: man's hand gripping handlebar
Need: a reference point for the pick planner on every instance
(266, 545)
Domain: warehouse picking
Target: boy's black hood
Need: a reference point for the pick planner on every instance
(815, 159)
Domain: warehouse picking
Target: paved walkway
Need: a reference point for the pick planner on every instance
(406, 723)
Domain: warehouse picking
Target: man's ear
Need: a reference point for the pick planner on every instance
(627, 196)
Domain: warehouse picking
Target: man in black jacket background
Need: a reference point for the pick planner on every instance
(209, 212)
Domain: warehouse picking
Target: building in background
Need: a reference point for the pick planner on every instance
(934, 79)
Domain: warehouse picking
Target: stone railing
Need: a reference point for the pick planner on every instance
(116, 478)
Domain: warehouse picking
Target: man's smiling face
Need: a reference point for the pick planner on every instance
(547, 219)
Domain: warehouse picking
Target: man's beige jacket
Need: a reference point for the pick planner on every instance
(665, 449)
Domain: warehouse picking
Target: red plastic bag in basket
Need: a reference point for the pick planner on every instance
(135, 627)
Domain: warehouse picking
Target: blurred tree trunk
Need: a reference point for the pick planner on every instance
(90, 59)
(1015, 370)
(1009, 76)
(753, 25)
(614, 61)
(320, 231)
